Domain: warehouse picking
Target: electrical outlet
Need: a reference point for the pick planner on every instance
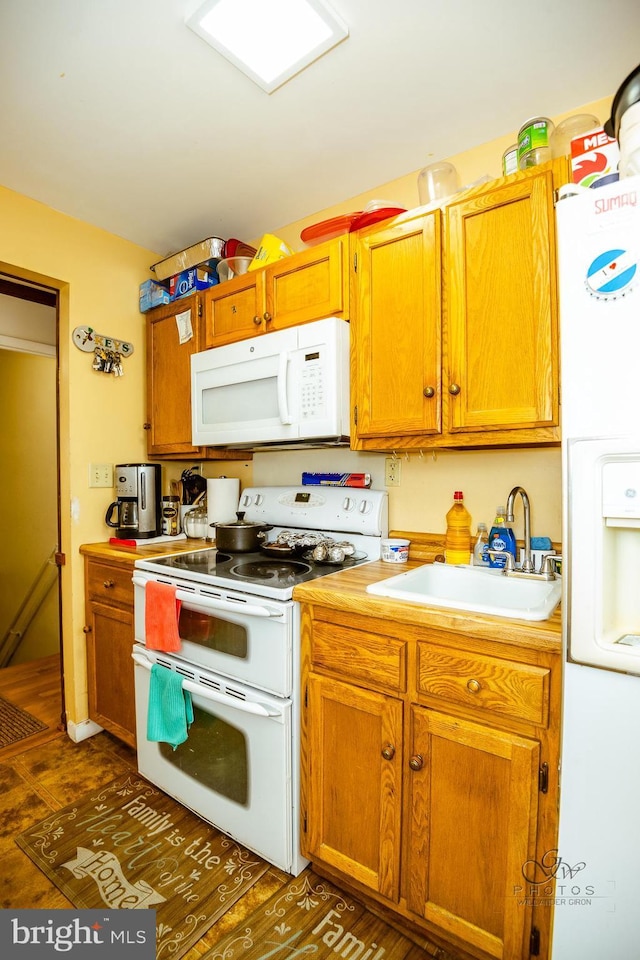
(100, 475)
(392, 472)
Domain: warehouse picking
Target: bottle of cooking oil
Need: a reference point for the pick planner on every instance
(457, 544)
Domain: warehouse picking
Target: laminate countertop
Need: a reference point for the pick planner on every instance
(143, 551)
(346, 590)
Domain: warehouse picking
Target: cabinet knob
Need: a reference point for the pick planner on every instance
(146, 426)
(429, 392)
(268, 318)
(454, 389)
(388, 752)
(474, 686)
(86, 629)
(416, 762)
(108, 584)
(257, 321)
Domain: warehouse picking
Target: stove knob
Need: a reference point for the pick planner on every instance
(366, 506)
(348, 503)
(258, 499)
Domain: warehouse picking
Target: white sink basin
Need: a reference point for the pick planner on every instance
(474, 589)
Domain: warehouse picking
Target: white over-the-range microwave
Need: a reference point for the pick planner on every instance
(286, 387)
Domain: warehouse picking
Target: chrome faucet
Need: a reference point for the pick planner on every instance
(527, 562)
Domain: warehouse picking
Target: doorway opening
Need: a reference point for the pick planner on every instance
(30, 595)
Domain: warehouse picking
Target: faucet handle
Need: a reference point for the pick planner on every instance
(549, 567)
(508, 559)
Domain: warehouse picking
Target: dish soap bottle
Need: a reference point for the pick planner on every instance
(457, 544)
(480, 555)
(501, 538)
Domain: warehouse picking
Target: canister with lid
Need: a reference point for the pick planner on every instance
(510, 160)
(171, 515)
(534, 142)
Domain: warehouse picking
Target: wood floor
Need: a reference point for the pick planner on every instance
(37, 688)
(47, 771)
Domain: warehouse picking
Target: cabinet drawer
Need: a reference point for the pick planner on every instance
(366, 658)
(503, 687)
(110, 584)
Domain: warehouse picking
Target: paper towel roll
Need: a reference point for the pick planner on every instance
(223, 495)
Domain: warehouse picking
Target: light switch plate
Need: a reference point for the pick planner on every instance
(100, 475)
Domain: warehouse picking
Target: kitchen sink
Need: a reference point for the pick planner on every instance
(473, 588)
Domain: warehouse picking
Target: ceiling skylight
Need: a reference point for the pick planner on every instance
(269, 40)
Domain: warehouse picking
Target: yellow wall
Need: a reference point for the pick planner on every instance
(101, 417)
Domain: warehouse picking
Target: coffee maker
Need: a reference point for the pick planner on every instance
(138, 489)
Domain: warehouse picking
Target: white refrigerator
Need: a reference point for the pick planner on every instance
(597, 865)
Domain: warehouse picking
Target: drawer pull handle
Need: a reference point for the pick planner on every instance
(108, 583)
(474, 686)
(389, 752)
(416, 762)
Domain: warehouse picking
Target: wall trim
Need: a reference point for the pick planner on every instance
(83, 730)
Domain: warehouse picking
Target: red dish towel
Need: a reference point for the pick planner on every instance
(161, 613)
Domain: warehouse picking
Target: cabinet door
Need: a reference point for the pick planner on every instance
(169, 379)
(396, 330)
(235, 310)
(309, 286)
(473, 803)
(110, 670)
(354, 783)
(500, 314)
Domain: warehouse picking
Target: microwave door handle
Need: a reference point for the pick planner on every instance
(283, 406)
(209, 605)
(244, 706)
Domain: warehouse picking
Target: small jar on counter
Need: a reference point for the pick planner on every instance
(171, 516)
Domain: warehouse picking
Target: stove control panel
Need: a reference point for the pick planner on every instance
(364, 512)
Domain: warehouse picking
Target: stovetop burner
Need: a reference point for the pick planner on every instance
(277, 572)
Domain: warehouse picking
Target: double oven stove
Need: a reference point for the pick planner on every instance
(240, 660)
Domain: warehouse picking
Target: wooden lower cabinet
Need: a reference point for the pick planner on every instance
(473, 796)
(429, 796)
(110, 631)
(356, 782)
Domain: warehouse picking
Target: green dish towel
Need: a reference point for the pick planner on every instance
(170, 712)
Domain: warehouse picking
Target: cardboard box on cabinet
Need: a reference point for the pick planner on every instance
(189, 281)
(153, 294)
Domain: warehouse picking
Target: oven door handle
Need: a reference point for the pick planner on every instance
(244, 706)
(208, 604)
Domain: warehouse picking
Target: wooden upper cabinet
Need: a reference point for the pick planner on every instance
(306, 286)
(395, 329)
(501, 318)
(233, 309)
(169, 378)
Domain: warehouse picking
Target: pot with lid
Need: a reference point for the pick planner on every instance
(240, 536)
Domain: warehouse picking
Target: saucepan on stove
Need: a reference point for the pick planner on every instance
(241, 536)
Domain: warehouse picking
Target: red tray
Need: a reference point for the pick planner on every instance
(328, 229)
(375, 216)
